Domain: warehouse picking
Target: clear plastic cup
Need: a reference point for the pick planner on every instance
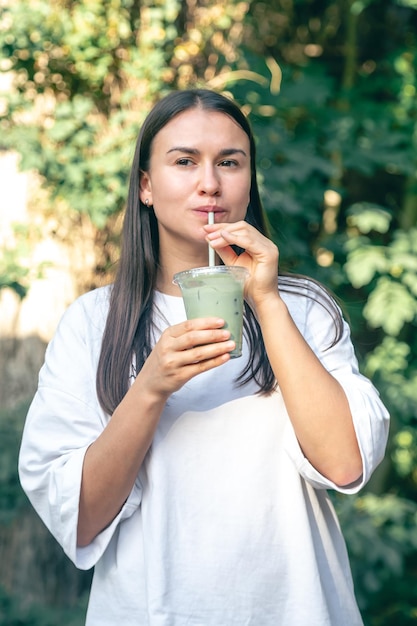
(215, 292)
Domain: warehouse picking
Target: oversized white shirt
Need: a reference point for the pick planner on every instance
(228, 524)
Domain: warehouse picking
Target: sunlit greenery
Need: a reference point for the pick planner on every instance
(331, 90)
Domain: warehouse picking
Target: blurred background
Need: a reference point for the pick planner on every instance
(330, 90)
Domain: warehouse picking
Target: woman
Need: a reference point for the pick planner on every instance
(195, 483)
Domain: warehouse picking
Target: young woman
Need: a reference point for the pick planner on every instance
(197, 484)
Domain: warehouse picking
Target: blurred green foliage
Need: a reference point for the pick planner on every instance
(17, 269)
(12, 499)
(330, 89)
(12, 613)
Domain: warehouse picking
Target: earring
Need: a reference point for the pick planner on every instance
(147, 203)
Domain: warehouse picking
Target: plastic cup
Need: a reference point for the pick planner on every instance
(215, 292)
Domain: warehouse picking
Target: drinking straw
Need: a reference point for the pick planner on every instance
(212, 261)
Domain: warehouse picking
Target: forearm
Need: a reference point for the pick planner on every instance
(315, 401)
(113, 461)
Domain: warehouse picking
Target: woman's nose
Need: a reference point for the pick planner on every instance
(209, 182)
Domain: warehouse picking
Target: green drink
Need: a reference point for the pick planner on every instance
(215, 292)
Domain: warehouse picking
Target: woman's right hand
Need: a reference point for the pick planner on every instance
(183, 351)
(113, 460)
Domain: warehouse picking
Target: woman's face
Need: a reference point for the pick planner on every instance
(200, 162)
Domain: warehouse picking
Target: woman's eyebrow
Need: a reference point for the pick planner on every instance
(230, 151)
(224, 152)
(183, 149)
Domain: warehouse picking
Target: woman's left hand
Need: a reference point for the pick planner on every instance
(321, 415)
(260, 257)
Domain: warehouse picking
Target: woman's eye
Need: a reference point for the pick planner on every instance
(184, 161)
(228, 163)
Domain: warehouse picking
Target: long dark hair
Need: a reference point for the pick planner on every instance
(128, 331)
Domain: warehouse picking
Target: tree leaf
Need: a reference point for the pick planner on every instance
(390, 306)
(363, 263)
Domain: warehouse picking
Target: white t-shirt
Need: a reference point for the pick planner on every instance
(228, 524)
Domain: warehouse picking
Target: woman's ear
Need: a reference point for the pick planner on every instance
(145, 188)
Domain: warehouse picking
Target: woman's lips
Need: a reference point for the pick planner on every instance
(206, 210)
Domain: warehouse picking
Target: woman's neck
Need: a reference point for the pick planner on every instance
(169, 267)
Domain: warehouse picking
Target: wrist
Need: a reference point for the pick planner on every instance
(262, 303)
(267, 305)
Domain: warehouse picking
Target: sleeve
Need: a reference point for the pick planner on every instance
(370, 417)
(63, 420)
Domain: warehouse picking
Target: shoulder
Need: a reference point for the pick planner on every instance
(96, 299)
(303, 286)
(78, 336)
(303, 294)
(313, 308)
(92, 306)
(84, 320)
